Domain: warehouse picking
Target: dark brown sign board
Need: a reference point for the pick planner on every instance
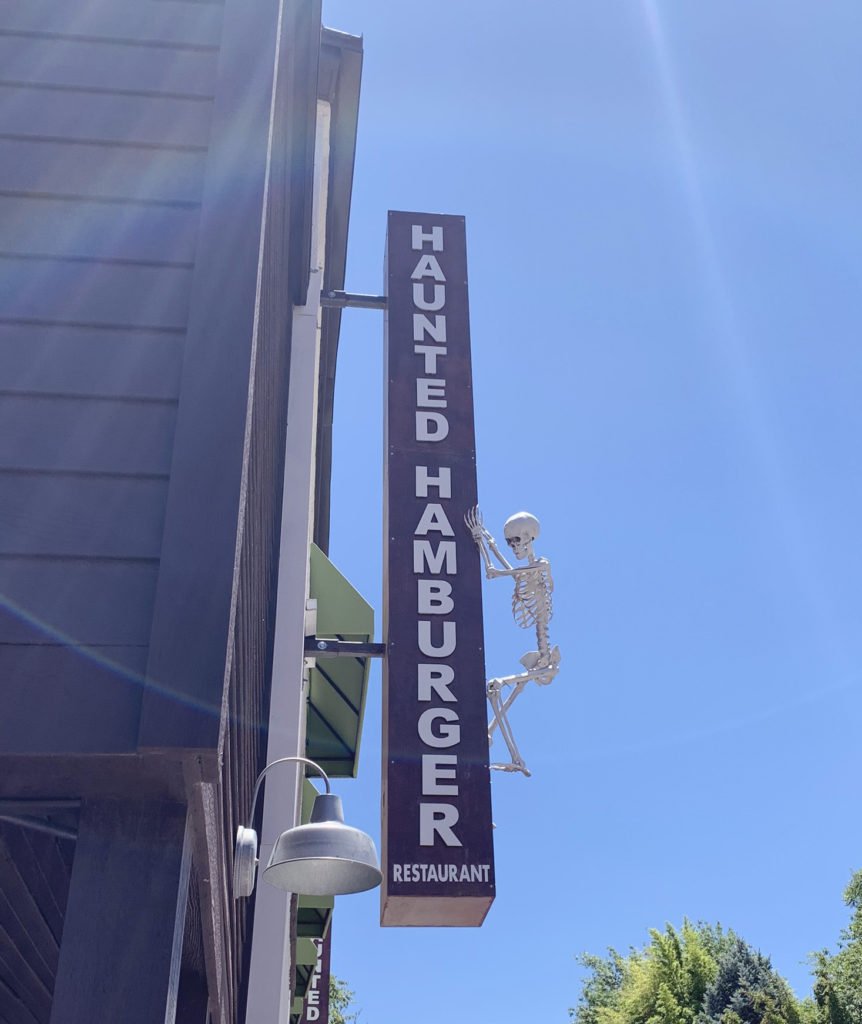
(437, 843)
(315, 1008)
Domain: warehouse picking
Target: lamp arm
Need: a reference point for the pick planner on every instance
(272, 764)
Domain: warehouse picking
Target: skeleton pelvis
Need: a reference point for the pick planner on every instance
(532, 660)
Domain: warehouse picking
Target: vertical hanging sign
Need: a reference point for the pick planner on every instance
(438, 858)
(315, 1006)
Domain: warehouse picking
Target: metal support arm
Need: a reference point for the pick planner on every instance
(317, 648)
(342, 300)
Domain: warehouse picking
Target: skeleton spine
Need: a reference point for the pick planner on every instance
(542, 632)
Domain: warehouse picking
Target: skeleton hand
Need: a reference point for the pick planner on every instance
(473, 519)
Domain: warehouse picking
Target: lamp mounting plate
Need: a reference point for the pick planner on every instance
(244, 862)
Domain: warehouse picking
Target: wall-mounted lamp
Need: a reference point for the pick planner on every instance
(323, 858)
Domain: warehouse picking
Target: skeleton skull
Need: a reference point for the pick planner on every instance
(520, 530)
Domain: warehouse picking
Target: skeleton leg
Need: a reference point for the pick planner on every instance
(500, 720)
(503, 707)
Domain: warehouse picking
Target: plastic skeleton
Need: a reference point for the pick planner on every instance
(531, 606)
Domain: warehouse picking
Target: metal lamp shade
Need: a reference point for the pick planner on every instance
(324, 857)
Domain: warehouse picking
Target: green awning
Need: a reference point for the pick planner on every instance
(306, 953)
(338, 686)
(306, 961)
(313, 913)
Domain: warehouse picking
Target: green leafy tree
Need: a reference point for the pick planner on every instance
(667, 983)
(838, 977)
(340, 1002)
(699, 974)
(662, 984)
(601, 988)
(746, 990)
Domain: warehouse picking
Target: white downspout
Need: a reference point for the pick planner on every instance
(269, 996)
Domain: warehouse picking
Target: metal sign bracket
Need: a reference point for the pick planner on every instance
(317, 648)
(342, 300)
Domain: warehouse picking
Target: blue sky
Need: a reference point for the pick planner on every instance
(664, 226)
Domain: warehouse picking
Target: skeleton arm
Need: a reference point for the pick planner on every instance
(507, 569)
(486, 545)
(518, 571)
(492, 574)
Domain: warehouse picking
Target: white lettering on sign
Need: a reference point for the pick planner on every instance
(434, 520)
(435, 769)
(428, 266)
(438, 726)
(431, 354)
(421, 300)
(426, 559)
(448, 641)
(434, 597)
(420, 237)
(312, 996)
(438, 820)
(431, 426)
(430, 393)
(436, 806)
(424, 481)
(434, 681)
(441, 872)
(422, 325)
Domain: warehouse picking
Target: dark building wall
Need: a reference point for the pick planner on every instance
(144, 353)
(105, 111)
(35, 871)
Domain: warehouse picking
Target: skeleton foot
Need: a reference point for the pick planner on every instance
(518, 766)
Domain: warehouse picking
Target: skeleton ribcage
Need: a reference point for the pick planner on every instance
(531, 601)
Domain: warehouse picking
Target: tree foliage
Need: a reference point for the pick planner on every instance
(838, 977)
(699, 974)
(702, 974)
(600, 994)
(667, 982)
(341, 1002)
(746, 990)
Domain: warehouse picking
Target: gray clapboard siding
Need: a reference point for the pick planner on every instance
(105, 109)
(37, 358)
(47, 514)
(94, 293)
(109, 172)
(23, 974)
(83, 601)
(20, 909)
(89, 699)
(114, 66)
(86, 435)
(61, 227)
(27, 928)
(103, 117)
(40, 871)
(169, 22)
